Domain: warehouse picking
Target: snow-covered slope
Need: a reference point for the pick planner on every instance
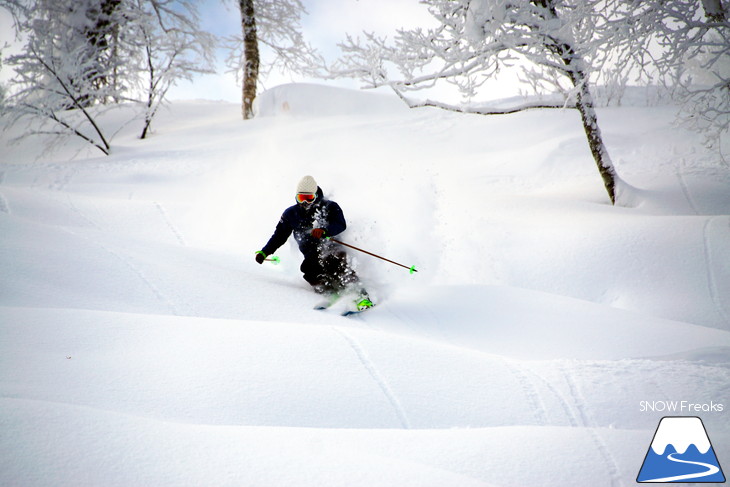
(140, 344)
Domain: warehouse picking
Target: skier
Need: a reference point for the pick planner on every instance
(311, 220)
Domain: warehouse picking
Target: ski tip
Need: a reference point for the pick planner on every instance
(359, 310)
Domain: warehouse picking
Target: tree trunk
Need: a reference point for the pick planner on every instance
(714, 11)
(584, 104)
(98, 38)
(576, 71)
(251, 56)
(150, 93)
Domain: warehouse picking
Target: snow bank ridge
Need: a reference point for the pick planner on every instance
(317, 100)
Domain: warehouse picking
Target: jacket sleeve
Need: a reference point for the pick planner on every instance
(335, 220)
(280, 236)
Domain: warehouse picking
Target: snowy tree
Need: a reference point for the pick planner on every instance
(169, 47)
(86, 28)
(685, 46)
(272, 29)
(84, 56)
(100, 31)
(59, 75)
(555, 43)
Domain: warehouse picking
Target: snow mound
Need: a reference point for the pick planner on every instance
(512, 322)
(304, 99)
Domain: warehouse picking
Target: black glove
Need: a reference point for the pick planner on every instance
(260, 257)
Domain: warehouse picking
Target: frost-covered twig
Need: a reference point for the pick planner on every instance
(172, 47)
(683, 45)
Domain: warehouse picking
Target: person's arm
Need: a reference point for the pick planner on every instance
(335, 220)
(279, 238)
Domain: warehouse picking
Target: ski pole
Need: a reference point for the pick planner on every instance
(411, 269)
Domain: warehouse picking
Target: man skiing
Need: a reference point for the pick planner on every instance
(311, 220)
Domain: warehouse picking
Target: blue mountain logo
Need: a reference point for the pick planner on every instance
(680, 452)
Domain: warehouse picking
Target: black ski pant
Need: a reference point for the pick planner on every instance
(328, 271)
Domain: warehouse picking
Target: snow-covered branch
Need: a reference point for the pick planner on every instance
(481, 110)
(171, 47)
(58, 75)
(553, 43)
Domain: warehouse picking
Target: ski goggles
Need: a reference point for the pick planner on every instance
(306, 198)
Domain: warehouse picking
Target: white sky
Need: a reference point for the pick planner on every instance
(326, 25)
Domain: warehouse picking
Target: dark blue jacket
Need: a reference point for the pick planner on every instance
(324, 214)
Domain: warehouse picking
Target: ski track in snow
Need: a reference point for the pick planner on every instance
(166, 218)
(64, 179)
(127, 261)
(591, 427)
(534, 398)
(712, 281)
(68, 202)
(377, 377)
(686, 192)
(565, 407)
(4, 206)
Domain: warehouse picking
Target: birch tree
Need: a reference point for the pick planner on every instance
(271, 38)
(553, 42)
(251, 57)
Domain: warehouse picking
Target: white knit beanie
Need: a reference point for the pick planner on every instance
(307, 185)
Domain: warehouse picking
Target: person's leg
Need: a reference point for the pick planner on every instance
(313, 273)
(338, 272)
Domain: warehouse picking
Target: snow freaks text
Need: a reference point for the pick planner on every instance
(681, 407)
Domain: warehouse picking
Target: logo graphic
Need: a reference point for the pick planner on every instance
(680, 452)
